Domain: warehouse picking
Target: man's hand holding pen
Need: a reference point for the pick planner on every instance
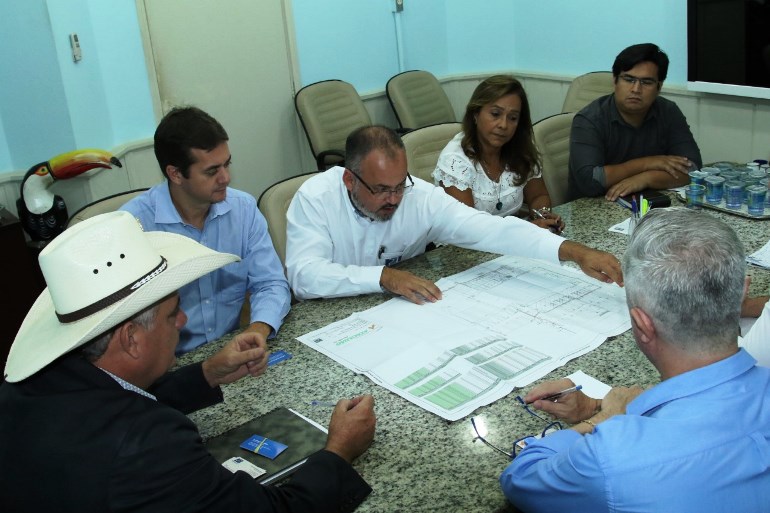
(564, 400)
(572, 407)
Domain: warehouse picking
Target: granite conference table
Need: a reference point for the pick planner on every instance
(420, 462)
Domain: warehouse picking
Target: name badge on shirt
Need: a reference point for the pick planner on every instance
(392, 261)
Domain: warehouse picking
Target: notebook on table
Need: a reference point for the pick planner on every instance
(302, 436)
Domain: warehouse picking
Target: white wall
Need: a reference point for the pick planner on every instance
(51, 104)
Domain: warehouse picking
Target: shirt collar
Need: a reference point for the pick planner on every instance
(128, 386)
(692, 382)
(166, 212)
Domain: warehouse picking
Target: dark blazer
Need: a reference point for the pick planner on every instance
(73, 440)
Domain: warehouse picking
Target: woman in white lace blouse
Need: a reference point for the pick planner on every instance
(493, 164)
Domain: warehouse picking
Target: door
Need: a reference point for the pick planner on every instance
(231, 58)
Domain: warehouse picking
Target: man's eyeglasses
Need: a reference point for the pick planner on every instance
(381, 192)
(632, 80)
(519, 443)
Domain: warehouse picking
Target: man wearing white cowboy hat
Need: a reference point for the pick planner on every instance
(91, 419)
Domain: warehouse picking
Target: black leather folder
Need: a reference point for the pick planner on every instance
(282, 425)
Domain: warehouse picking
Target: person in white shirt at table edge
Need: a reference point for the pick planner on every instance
(348, 226)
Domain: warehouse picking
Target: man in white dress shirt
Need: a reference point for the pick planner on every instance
(348, 226)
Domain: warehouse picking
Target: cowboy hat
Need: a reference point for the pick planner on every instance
(99, 273)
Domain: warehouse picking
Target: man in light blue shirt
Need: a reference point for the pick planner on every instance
(699, 440)
(195, 201)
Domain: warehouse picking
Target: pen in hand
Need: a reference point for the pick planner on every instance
(540, 215)
(559, 395)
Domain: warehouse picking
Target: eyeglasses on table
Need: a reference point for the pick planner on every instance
(519, 443)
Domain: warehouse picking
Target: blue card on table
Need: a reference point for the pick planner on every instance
(263, 446)
(277, 357)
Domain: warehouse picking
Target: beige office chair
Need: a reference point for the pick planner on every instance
(586, 88)
(102, 206)
(424, 145)
(274, 203)
(418, 100)
(329, 112)
(552, 140)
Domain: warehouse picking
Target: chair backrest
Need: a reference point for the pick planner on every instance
(552, 139)
(274, 203)
(424, 145)
(418, 100)
(329, 111)
(586, 88)
(102, 206)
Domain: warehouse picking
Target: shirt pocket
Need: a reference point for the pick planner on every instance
(390, 258)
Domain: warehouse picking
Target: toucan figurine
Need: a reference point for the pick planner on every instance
(43, 214)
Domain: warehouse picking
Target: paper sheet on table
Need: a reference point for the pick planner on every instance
(760, 257)
(592, 387)
(621, 227)
(500, 325)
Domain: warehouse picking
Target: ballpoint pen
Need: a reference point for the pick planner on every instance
(623, 203)
(559, 395)
(540, 215)
(327, 404)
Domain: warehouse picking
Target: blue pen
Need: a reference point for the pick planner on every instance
(634, 208)
(623, 203)
(327, 404)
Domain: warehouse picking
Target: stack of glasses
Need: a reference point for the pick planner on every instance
(731, 187)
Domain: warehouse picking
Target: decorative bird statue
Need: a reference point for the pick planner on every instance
(43, 214)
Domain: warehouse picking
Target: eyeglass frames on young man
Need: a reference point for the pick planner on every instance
(632, 80)
(383, 192)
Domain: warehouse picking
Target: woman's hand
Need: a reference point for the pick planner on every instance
(544, 218)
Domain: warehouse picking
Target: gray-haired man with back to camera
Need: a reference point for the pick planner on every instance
(700, 439)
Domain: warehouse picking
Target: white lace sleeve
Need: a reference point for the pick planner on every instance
(453, 171)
